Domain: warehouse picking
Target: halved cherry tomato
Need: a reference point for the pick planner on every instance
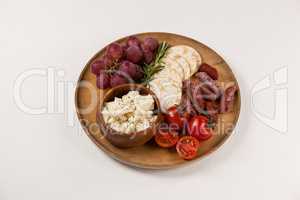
(166, 139)
(187, 147)
(198, 128)
(173, 117)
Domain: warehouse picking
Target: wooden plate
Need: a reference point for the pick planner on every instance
(88, 97)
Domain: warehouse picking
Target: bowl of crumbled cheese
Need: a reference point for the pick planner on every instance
(129, 115)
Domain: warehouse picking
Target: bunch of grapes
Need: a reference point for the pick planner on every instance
(121, 63)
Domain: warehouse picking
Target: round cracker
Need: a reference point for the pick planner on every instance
(159, 85)
(173, 64)
(190, 54)
(168, 100)
(182, 62)
(169, 73)
(170, 96)
(168, 92)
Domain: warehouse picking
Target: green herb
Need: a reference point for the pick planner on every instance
(156, 65)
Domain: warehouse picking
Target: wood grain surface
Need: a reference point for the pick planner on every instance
(150, 156)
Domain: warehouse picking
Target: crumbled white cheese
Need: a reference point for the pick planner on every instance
(133, 112)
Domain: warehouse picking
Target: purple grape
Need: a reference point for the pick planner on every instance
(139, 73)
(150, 44)
(133, 70)
(144, 48)
(133, 41)
(124, 47)
(117, 79)
(97, 66)
(127, 67)
(115, 50)
(108, 60)
(134, 54)
(148, 56)
(103, 80)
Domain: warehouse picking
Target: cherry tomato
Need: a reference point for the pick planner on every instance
(187, 147)
(166, 139)
(173, 117)
(198, 128)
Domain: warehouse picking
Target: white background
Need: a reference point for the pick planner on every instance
(43, 157)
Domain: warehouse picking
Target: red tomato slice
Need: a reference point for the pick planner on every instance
(173, 117)
(166, 139)
(198, 128)
(187, 147)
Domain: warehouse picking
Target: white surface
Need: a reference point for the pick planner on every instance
(42, 157)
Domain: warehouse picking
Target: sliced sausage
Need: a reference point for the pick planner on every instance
(227, 99)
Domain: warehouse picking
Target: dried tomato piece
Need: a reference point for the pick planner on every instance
(211, 71)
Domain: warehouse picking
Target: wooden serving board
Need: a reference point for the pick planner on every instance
(150, 156)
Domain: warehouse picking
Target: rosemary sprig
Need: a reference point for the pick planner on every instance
(156, 65)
